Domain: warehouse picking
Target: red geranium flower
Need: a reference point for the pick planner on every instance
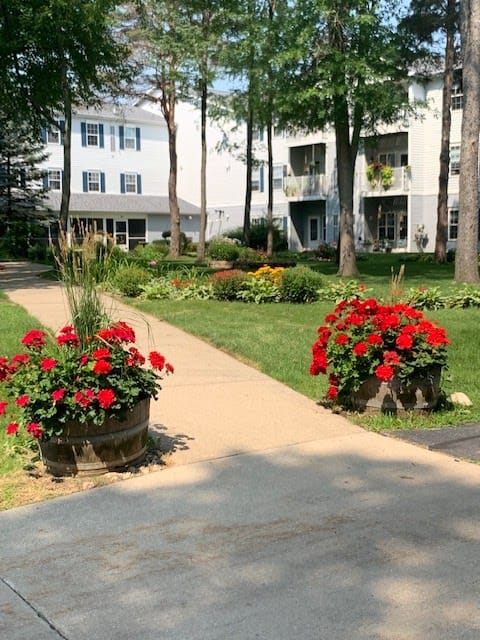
(374, 339)
(319, 363)
(102, 354)
(84, 397)
(136, 359)
(21, 358)
(48, 363)
(102, 367)
(169, 367)
(34, 339)
(156, 360)
(3, 406)
(34, 429)
(342, 338)
(22, 401)
(332, 393)
(404, 341)
(12, 428)
(437, 337)
(360, 349)
(390, 357)
(58, 395)
(106, 397)
(384, 372)
(66, 339)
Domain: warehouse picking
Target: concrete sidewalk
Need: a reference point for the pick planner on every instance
(277, 520)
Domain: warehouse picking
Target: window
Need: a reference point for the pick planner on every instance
(457, 90)
(130, 183)
(93, 181)
(53, 135)
(386, 226)
(92, 134)
(452, 224)
(388, 159)
(129, 137)
(54, 179)
(278, 173)
(454, 159)
(257, 179)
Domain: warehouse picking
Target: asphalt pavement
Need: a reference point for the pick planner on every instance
(276, 520)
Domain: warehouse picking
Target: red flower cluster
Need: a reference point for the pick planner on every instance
(364, 338)
(59, 380)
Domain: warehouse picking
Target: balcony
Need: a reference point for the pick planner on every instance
(398, 182)
(304, 187)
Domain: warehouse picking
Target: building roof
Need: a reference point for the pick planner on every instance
(111, 203)
(119, 112)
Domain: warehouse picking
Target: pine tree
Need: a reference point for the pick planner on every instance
(21, 185)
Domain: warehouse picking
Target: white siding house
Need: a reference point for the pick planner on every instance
(119, 174)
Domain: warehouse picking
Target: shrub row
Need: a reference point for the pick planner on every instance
(266, 284)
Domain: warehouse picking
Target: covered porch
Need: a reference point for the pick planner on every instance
(386, 223)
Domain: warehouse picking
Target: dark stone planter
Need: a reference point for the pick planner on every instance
(375, 396)
(88, 449)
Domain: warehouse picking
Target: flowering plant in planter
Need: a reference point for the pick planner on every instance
(59, 380)
(363, 338)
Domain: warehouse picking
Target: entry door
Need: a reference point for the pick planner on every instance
(315, 231)
(121, 233)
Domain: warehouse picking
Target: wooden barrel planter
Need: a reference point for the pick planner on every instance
(90, 449)
(375, 396)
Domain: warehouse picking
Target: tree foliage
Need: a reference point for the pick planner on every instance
(56, 54)
(344, 65)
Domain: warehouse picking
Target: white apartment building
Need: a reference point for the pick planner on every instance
(120, 166)
(401, 215)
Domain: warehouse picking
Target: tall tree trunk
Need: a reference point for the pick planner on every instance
(67, 164)
(442, 204)
(466, 259)
(248, 187)
(203, 175)
(172, 193)
(347, 262)
(270, 191)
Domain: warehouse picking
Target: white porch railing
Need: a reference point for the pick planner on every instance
(301, 186)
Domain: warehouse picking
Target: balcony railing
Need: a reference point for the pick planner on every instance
(401, 179)
(302, 186)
